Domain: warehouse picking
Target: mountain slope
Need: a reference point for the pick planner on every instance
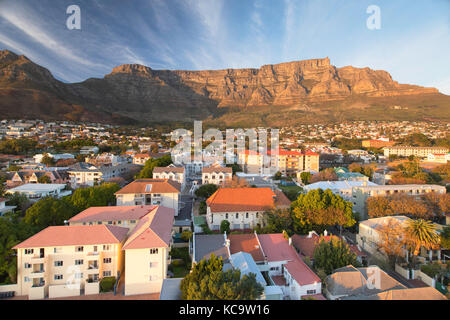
(299, 91)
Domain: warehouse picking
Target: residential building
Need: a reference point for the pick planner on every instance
(341, 188)
(360, 194)
(162, 192)
(60, 261)
(85, 174)
(438, 157)
(171, 172)
(147, 252)
(89, 150)
(56, 176)
(64, 156)
(370, 236)
(36, 191)
(406, 151)
(242, 207)
(377, 143)
(345, 175)
(216, 175)
(204, 245)
(122, 216)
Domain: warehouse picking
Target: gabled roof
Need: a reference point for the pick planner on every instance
(153, 231)
(112, 213)
(277, 248)
(168, 169)
(157, 186)
(245, 263)
(207, 244)
(59, 236)
(245, 199)
(425, 293)
(217, 170)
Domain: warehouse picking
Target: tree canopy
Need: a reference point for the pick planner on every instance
(206, 190)
(333, 254)
(319, 208)
(147, 171)
(207, 281)
(49, 212)
(102, 195)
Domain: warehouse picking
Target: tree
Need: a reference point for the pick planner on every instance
(327, 174)
(306, 177)
(49, 211)
(277, 221)
(19, 200)
(225, 226)
(445, 238)
(207, 281)
(420, 233)
(97, 196)
(333, 254)
(47, 160)
(44, 179)
(154, 148)
(236, 182)
(319, 209)
(391, 240)
(147, 171)
(277, 175)
(186, 235)
(206, 191)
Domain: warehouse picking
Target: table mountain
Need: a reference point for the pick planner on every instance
(136, 93)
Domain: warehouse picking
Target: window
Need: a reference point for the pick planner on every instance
(153, 264)
(246, 215)
(154, 251)
(132, 221)
(58, 277)
(79, 249)
(107, 260)
(27, 265)
(26, 279)
(107, 273)
(257, 214)
(110, 222)
(78, 262)
(237, 215)
(310, 291)
(106, 247)
(58, 263)
(226, 215)
(28, 251)
(78, 276)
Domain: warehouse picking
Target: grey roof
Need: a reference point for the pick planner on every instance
(206, 244)
(245, 263)
(358, 282)
(171, 289)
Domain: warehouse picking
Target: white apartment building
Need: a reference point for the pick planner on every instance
(406, 151)
(216, 175)
(172, 173)
(36, 191)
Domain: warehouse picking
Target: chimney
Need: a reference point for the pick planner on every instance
(310, 234)
(325, 233)
(290, 241)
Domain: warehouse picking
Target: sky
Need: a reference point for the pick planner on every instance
(412, 43)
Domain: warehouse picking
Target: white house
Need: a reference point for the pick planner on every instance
(216, 175)
(171, 172)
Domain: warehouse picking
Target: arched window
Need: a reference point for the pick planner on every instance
(226, 215)
(246, 215)
(237, 215)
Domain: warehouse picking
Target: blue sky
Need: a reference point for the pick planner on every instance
(413, 43)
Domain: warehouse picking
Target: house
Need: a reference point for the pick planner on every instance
(4, 208)
(369, 236)
(242, 207)
(56, 175)
(36, 191)
(142, 158)
(204, 245)
(216, 175)
(341, 188)
(89, 150)
(60, 261)
(360, 194)
(64, 156)
(162, 192)
(351, 282)
(147, 252)
(171, 172)
(438, 157)
(345, 175)
(306, 244)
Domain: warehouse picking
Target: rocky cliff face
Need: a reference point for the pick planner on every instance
(138, 92)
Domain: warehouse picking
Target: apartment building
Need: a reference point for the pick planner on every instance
(438, 157)
(406, 151)
(216, 175)
(85, 174)
(341, 188)
(147, 252)
(375, 143)
(171, 172)
(242, 207)
(60, 261)
(164, 192)
(360, 194)
(122, 216)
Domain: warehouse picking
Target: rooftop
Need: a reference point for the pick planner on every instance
(156, 186)
(247, 243)
(37, 187)
(112, 213)
(207, 244)
(75, 235)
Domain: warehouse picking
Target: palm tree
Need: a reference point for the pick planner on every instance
(420, 233)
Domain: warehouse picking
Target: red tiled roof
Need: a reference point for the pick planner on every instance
(246, 243)
(158, 186)
(307, 245)
(152, 231)
(112, 213)
(75, 235)
(242, 199)
(277, 248)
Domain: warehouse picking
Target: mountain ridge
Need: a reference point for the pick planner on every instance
(133, 93)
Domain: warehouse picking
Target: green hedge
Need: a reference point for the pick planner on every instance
(107, 284)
